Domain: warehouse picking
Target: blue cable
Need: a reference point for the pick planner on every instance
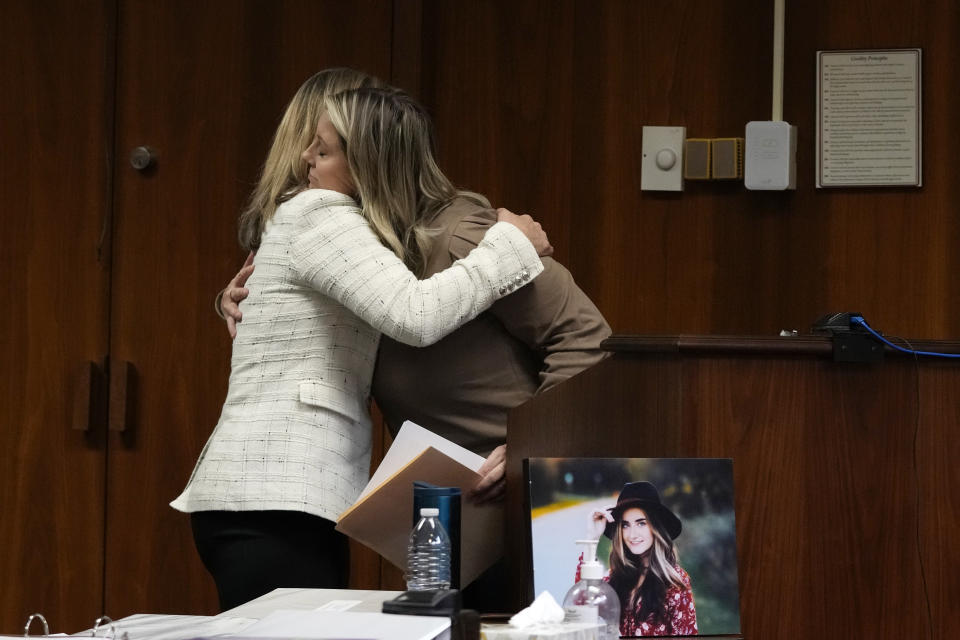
(863, 323)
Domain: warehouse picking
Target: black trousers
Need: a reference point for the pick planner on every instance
(250, 553)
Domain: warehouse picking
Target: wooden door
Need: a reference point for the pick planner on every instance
(203, 85)
(55, 130)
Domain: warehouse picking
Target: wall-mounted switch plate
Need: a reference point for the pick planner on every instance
(661, 164)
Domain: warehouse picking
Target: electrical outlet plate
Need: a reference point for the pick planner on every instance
(661, 163)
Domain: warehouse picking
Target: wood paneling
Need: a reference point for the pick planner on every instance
(937, 477)
(889, 253)
(657, 261)
(496, 77)
(55, 132)
(540, 105)
(204, 84)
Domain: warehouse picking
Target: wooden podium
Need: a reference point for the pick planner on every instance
(846, 475)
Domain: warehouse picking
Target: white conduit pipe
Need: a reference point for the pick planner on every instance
(779, 10)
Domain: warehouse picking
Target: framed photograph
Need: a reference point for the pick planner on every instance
(666, 537)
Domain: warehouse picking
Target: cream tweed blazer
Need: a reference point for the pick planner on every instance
(294, 432)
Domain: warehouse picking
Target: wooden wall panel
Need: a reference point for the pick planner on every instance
(938, 475)
(540, 106)
(496, 77)
(205, 85)
(890, 253)
(55, 128)
(657, 262)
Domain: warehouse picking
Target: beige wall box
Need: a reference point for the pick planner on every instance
(726, 158)
(770, 155)
(696, 159)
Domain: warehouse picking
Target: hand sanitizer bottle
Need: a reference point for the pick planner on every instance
(592, 600)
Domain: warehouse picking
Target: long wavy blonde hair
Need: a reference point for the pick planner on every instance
(284, 173)
(389, 144)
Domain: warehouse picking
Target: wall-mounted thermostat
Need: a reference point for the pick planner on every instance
(661, 165)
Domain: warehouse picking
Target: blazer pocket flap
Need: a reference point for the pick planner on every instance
(321, 394)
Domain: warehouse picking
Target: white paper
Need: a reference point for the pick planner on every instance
(338, 605)
(347, 625)
(410, 442)
(158, 626)
(307, 599)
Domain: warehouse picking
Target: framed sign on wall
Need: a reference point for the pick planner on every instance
(868, 118)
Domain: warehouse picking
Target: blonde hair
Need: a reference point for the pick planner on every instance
(389, 144)
(284, 173)
(634, 580)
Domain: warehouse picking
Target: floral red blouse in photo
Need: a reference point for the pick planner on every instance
(678, 618)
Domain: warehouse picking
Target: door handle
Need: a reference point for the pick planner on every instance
(122, 375)
(88, 400)
(142, 157)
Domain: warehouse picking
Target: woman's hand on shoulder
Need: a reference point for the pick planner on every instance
(599, 520)
(530, 228)
(234, 293)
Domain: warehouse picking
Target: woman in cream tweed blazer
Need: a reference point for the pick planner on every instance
(295, 432)
(294, 436)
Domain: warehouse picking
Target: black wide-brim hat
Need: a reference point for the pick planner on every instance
(643, 495)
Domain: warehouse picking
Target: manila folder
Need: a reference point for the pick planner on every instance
(382, 518)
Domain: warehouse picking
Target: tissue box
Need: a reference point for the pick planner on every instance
(561, 631)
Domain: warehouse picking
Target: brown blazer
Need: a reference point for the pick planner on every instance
(463, 386)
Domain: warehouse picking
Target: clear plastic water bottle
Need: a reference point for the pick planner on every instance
(428, 554)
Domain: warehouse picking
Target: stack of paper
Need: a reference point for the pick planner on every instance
(345, 625)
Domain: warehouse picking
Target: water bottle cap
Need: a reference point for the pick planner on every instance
(426, 512)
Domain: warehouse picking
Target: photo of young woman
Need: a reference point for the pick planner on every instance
(666, 538)
(656, 598)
